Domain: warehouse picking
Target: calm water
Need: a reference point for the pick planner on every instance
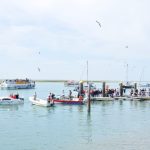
(110, 125)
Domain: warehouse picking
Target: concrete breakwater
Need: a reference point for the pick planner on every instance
(94, 81)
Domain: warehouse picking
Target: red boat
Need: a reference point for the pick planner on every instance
(78, 101)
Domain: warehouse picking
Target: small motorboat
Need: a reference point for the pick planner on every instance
(71, 83)
(41, 102)
(11, 100)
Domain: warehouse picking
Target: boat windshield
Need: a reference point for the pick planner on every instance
(6, 99)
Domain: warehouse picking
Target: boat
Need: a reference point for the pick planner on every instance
(11, 100)
(64, 100)
(41, 102)
(71, 83)
(17, 84)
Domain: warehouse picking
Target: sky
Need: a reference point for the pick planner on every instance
(54, 39)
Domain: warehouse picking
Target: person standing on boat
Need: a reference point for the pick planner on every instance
(63, 93)
(49, 98)
(53, 95)
(70, 94)
(80, 98)
(34, 96)
(17, 96)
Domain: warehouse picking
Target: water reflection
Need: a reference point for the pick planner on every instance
(71, 108)
(121, 102)
(40, 109)
(111, 125)
(80, 108)
(9, 107)
(89, 128)
(140, 104)
(103, 103)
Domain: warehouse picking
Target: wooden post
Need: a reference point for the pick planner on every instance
(80, 88)
(121, 89)
(135, 86)
(89, 98)
(103, 89)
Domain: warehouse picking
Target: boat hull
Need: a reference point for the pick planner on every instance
(40, 102)
(70, 102)
(17, 84)
(11, 101)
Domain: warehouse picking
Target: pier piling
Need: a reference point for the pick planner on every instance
(121, 89)
(89, 98)
(135, 86)
(103, 89)
(80, 87)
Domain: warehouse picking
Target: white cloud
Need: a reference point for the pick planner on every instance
(66, 34)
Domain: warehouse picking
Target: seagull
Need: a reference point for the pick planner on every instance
(98, 23)
(126, 46)
(39, 69)
(39, 52)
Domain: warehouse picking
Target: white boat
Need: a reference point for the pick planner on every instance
(17, 84)
(71, 83)
(11, 101)
(41, 102)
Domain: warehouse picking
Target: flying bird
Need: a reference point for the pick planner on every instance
(126, 46)
(98, 23)
(39, 69)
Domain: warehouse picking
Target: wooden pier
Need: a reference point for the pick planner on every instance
(120, 98)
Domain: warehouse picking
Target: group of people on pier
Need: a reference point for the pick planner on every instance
(116, 92)
(141, 92)
(108, 93)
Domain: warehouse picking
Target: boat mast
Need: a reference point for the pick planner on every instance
(87, 71)
(127, 74)
(89, 88)
(141, 75)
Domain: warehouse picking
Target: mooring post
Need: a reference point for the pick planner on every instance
(89, 98)
(135, 86)
(103, 89)
(121, 89)
(80, 88)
